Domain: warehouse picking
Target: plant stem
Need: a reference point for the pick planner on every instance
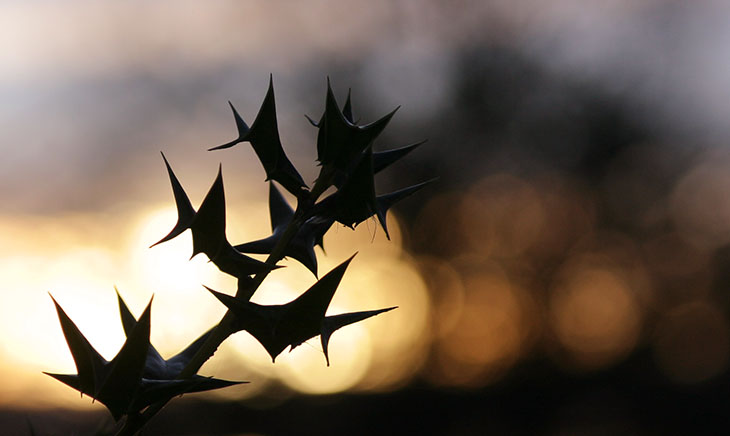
(225, 326)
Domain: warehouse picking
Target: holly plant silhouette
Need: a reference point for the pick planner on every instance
(138, 382)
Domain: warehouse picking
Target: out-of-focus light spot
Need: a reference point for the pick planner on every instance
(182, 308)
(700, 206)
(569, 215)
(400, 338)
(595, 316)
(502, 216)
(492, 332)
(305, 370)
(447, 293)
(617, 252)
(692, 343)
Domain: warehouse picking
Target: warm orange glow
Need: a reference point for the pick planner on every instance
(78, 276)
(69, 257)
(448, 296)
(569, 215)
(374, 355)
(493, 328)
(502, 216)
(595, 316)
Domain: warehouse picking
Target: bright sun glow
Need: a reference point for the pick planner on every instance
(79, 261)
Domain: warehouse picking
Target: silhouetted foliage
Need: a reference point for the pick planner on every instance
(138, 382)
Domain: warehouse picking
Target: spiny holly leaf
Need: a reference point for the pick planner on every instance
(336, 322)
(209, 223)
(135, 378)
(124, 372)
(289, 325)
(208, 226)
(88, 361)
(385, 201)
(279, 326)
(185, 210)
(114, 383)
(383, 159)
(301, 247)
(155, 366)
(347, 108)
(209, 236)
(152, 391)
(352, 204)
(355, 201)
(264, 138)
(158, 371)
(340, 142)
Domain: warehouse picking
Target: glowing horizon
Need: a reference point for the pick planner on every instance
(82, 276)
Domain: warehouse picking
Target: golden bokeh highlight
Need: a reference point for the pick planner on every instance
(569, 215)
(378, 354)
(401, 339)
(692, 343)
(594, 315)
(502, 215)
(448, 294)
(482, 337)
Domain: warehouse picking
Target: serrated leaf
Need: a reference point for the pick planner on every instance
(158, 369)
(336, 322)
(383, 159)
(385, 201)
(209, 235)
(279, 326)
(350, 207)
(154, 365)
(114, 383)
(264, 138)
(209, 223)
(347, 108)
(153, 391)
(301, 246)
(340, 142)
(127, 384)
(185, 210)
(124, 372)
(355, 201)
(88, 361)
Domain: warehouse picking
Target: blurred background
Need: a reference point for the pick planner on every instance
(568, 274)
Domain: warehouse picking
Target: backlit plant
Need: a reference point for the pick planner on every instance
(138, 381)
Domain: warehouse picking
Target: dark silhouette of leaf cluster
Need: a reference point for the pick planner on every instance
(289, 325)
(138, 382)
(137, 376)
